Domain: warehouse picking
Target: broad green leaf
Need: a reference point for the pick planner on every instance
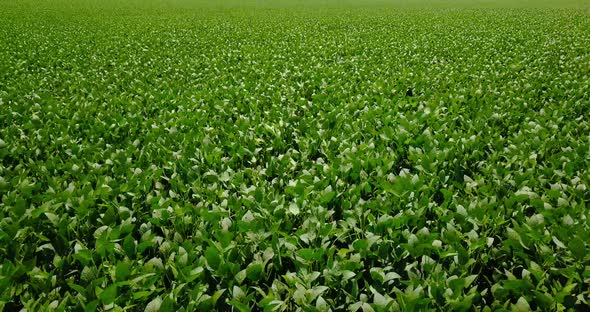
(109, 294)
(213, 257)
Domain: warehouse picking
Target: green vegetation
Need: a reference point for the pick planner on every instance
(283, 155)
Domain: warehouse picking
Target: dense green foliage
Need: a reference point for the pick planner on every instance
(361, 156)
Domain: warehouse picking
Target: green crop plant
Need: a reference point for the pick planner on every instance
(294, 155)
